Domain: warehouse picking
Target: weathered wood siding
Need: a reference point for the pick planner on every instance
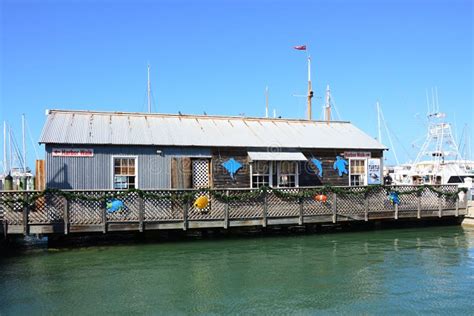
(309, 174)
(220, 177)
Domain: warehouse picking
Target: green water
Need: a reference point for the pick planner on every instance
(404, 271)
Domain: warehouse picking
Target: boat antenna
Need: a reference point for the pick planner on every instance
(149, 89)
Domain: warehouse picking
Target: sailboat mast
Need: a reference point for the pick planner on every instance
(149, 90)
(10, 160)
(328, 105)
(266, 101)
(378, 123)
(23, 140)
(5, 162)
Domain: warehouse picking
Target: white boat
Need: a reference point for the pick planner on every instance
(439, 160)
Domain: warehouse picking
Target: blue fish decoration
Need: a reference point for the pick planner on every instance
(114, 205)
(340, 165)
(394, 198)
(232, 166)
(318, 165)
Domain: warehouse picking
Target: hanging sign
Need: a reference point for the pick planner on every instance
(73, 152)
(357, 154)
(373, 168)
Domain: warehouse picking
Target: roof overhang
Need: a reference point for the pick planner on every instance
(276, 156)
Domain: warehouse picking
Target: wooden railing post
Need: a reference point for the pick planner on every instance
(104, 217)
(265, 209)
(186, 206)
(334, 207)
(366, 209)
(66, 215)
(141, 214)
(395, 205)
(418, 206)
(226, 211)
(25, 215)
(440, 206)
(456, 213)
(301, 219)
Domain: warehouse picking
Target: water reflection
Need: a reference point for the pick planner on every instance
(391, 271)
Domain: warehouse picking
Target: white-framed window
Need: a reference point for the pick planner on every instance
(287, 174)
(357, 172)
(261, 174)
(124, 172)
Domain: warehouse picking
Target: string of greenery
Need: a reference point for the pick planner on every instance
(29, 199)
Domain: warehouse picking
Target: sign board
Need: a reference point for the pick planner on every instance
(73, 152)
(373, 168)
(357, 154)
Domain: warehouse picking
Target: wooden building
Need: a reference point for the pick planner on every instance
(105, 150)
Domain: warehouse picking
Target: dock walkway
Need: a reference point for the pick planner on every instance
(65, 212)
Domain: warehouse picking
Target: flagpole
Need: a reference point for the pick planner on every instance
(310, 89)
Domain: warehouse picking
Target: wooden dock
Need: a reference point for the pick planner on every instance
(68, 212)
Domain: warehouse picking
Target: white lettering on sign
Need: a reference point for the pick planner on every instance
(357, 154)
(73, 152)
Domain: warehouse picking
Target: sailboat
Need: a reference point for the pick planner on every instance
(14, 163)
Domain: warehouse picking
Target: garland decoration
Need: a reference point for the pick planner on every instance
(223, 195)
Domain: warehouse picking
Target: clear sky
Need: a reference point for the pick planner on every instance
(218, 56)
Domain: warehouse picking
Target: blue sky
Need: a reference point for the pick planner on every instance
(218, 56)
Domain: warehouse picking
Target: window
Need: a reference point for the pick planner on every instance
(261, 173)
(357, 172)
(288, 174)
(124, 173)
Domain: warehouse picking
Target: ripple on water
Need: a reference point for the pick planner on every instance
(382, 272)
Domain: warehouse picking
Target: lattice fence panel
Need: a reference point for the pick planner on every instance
(429, 200)
(200, 173)
(82, 212)
(129, 212)
(379, 202)
(408, 202)
(280, 207)
(449, 203)
(48, 209)
(249, 209)
(167, 209)
(351, 204)
(313, 207)
(13, 210)
(214, 210)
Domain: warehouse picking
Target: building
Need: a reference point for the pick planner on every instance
(105, 150)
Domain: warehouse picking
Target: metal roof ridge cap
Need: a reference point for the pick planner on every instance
(193, 116)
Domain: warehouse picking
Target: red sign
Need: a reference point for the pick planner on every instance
(356, 154)
(73, 152)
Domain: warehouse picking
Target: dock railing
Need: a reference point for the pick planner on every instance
(68, 211)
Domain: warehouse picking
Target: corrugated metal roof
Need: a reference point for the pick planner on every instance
(117, 128)
(276, 156)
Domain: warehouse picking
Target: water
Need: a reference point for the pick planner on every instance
(423, 270)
